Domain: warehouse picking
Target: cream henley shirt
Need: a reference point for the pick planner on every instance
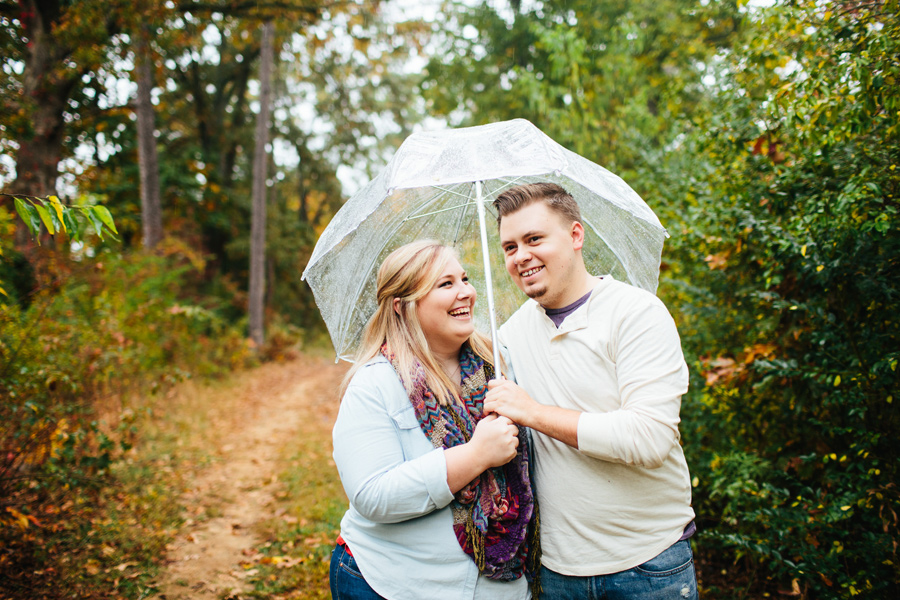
(624, 495)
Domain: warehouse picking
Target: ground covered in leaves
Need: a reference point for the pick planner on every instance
(228, 492)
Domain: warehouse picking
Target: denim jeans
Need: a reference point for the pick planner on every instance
(347, 583)
(668, 576)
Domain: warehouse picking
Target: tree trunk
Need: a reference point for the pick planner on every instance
(258, 214)
(48, 86)
(148, 162)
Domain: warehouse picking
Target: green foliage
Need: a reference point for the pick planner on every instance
(57, 217)
(122, 328)
(790, 201)
(605, 79)
(766, 139)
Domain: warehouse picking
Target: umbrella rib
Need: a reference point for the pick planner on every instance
(363, 280)
(506, 183)
(611, 249)
(428, 214)
(459, 222)
(446, 191)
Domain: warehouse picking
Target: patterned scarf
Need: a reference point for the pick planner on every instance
(492, 515)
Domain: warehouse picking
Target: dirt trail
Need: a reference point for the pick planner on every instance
(237, 491)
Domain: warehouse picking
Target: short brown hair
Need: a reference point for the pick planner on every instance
(554, 196)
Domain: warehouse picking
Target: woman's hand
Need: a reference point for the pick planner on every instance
(493, 443)
(495, 440)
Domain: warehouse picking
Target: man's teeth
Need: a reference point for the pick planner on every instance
(531, 272)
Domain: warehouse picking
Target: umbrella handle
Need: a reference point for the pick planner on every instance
(488, 280)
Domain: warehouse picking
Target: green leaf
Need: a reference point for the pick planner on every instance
(72, 227)
(45, 218)
(105, 217)
(57, 220)
(95, 221)
(30, 216)
(23, 211)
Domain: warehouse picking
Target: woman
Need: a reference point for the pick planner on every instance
(440, 498)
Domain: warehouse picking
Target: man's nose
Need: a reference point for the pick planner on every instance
(522, 255)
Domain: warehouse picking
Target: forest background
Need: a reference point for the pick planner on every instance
(766, 138)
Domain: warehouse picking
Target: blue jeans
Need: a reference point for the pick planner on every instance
(347, 583)
(670, 575)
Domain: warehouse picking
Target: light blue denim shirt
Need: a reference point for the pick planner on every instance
(399, 526)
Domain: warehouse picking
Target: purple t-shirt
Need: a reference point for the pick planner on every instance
(558, 315)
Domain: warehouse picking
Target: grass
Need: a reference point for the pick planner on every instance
(293, 562)
(107, 538)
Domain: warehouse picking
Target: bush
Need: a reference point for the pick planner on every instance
(792, 206)
(70, 366)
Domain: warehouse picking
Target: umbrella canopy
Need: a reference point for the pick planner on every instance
(429, 190)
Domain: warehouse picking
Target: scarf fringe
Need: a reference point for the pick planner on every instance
(533, 560)
(476, 539)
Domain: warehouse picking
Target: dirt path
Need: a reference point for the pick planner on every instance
(237, 491)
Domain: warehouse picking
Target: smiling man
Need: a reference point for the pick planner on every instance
(599, 374)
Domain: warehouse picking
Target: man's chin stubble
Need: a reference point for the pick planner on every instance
(536, 293)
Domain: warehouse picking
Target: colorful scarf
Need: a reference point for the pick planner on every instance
(495, 515)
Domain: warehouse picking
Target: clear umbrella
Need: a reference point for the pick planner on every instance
(440, 185)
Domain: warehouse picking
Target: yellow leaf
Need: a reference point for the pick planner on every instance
(21, 520)
(803, 250)
(57, 205)
(819, 268)
(837, 380)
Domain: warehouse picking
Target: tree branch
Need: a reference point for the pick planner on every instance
(234, 8)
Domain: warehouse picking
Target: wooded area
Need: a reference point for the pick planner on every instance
(766, 138)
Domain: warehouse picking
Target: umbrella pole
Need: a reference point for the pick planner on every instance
(488, 280)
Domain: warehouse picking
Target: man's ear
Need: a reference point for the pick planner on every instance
(577, 235)
(396, 305)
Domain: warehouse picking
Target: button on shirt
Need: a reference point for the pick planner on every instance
(400, 525)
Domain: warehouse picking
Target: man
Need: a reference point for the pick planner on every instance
(599, 377)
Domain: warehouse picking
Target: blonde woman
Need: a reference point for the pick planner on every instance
(440, 497)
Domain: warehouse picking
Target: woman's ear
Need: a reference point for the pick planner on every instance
(396, 305)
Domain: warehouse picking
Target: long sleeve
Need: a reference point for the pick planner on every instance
(651, 376)
(624, 495)
(372, 450)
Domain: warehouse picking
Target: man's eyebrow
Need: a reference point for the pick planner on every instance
(525, 235)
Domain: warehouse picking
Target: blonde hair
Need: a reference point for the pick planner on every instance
(408, 274)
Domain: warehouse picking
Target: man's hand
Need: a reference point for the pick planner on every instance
(509, 400)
